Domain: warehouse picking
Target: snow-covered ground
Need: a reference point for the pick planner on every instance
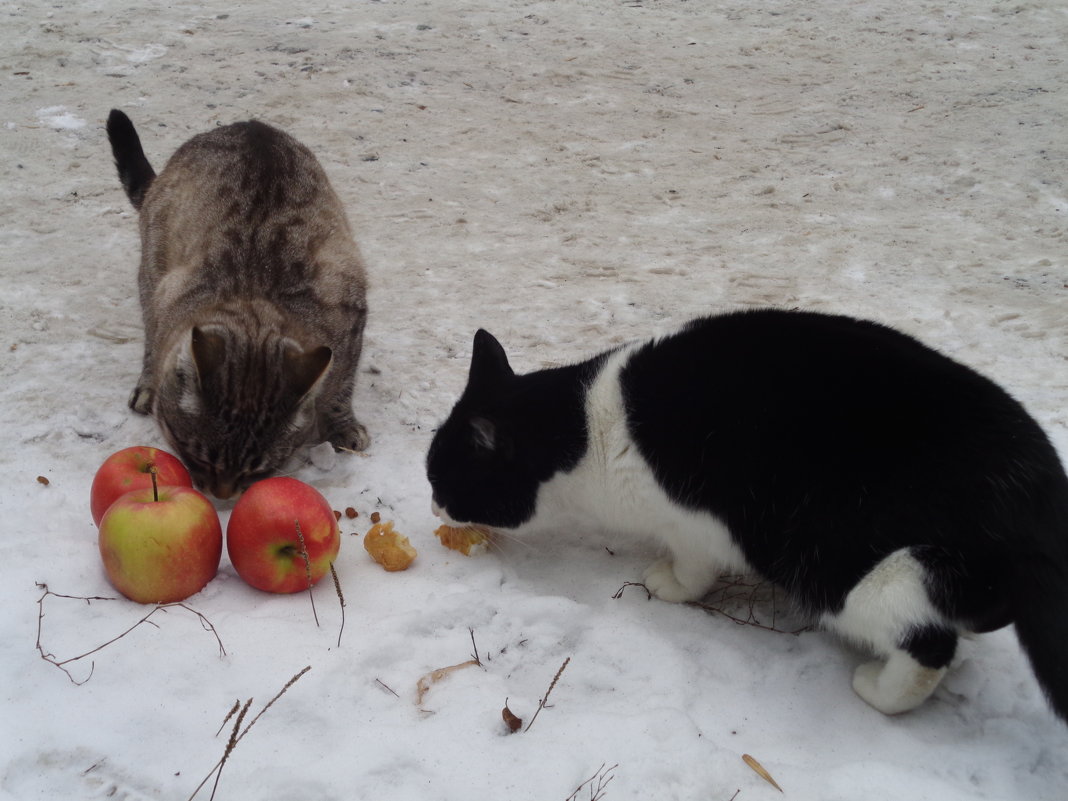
(569, 175)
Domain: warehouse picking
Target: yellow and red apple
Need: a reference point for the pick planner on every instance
(282, 533)
(160, 548)
(130, 469)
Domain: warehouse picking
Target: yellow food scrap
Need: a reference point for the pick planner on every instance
(466, 540)
(388, 547)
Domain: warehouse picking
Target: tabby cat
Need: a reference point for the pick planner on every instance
(253, 295)
(897, 495)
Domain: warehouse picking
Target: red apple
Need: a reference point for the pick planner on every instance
(128, 470)
(163, 550)
(263, 541)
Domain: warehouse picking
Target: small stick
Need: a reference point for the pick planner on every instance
(619, 592)
(387, 687)
(155, 485)
(61, 663)
(603, 777)
(307, 570)
(545, 698)
(477, 660)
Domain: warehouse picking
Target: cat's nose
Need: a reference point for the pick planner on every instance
(435, 509)
(224, 490)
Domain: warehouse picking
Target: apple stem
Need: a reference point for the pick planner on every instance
(155, 484)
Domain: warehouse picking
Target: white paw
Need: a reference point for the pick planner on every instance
(661, 581)
(866, 683)
(896, 686)
(141, 399)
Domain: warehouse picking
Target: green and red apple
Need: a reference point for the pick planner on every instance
(131, 469)
(160, 546)
(273, 527)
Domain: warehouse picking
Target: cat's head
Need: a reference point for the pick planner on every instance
(235, 409)
(506, 435)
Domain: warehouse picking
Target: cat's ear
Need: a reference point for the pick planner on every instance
(209, 353)
(489, 363)
(303, 369)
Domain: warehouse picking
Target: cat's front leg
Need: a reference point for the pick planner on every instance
(342, 430)
(678, 580)
(141, 397)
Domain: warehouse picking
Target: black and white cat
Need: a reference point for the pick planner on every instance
(896, 494)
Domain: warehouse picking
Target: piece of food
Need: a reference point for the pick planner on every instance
(282, 535)
(389, 548)
(466, 539)
(160, 548)
(130, 469)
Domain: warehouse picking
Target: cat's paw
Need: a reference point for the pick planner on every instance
(352, 438)
(141, 399)
(896, 686)
(661, 581)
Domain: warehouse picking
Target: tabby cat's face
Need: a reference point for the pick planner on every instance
(236, 409)
(227, 453)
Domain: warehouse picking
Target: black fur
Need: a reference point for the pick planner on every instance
(824, 444)
(514, 431)
(135, 173)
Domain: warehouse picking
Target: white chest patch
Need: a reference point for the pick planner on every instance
(614, 489)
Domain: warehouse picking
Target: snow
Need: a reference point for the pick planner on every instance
(569, 175)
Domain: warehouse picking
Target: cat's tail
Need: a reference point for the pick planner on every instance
(135, 172)
(1038, 583)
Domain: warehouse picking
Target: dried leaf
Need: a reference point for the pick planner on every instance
(513, 722)
(434, 676)
(759, 770)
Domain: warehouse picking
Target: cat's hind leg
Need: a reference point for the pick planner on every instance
(890, 611)
(911, 673)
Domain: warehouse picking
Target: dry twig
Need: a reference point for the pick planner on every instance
(735, 596)
(51, 658)
(603, 777)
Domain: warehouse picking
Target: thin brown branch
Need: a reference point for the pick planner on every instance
(603, 777)
(51, 658)
(473, 645)
(750, 594)
(619, 592)
(379, 681)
